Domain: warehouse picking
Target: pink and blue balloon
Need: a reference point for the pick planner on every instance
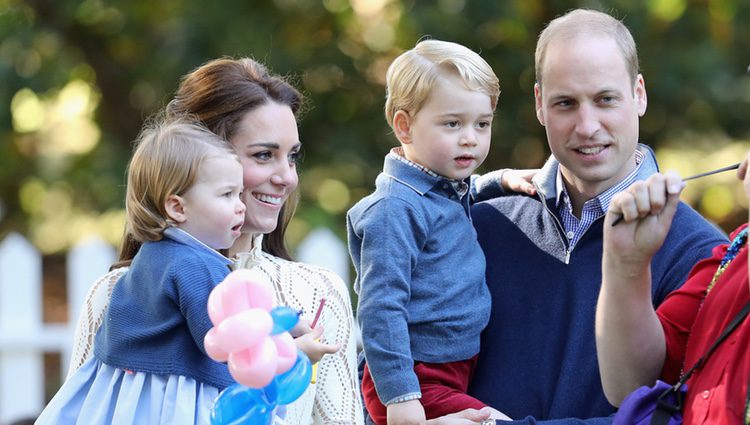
(253, 338)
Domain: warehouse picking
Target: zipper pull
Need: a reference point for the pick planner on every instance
(567, 256)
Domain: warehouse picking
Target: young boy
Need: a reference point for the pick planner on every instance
(420, 271)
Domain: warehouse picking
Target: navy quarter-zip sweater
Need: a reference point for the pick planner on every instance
(538, 353)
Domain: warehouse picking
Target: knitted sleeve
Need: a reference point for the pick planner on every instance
(391, 234)
(90, 318)
(194, 278)
(337, 398)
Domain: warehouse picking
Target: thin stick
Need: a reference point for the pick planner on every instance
(707, 173)
(317, 313)
(718, 170)
(314, 377)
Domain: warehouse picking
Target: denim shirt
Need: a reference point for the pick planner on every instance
(420, 276)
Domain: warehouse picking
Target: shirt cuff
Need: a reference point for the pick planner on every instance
(403, 398)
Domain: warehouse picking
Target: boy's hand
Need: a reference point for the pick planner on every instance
(518, 181)
(310, 344)
(407, 413)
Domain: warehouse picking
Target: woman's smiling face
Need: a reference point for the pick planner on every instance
(267, 142)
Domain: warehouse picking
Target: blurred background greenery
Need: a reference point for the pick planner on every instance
(80, 76)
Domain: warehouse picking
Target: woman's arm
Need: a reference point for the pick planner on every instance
(337, 397)
(90, 318)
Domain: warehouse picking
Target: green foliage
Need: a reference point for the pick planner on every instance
(132, 53)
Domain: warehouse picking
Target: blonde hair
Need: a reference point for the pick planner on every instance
(580, 22)
(166, 161)
(413, 74)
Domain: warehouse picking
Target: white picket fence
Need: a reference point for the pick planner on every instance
(24, 337)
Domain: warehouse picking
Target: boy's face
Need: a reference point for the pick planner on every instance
(211, 209)
(450, 135)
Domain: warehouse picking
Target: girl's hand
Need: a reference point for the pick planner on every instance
(518, 181)
(310, 344)
(302, 327)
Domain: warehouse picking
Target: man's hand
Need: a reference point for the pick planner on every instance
(630, 342)
(647, 208)
(742, 174)
(407, 413)
(464, 417)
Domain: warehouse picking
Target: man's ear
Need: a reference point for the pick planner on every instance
(402, 126)
(175, 207)
(538, 103)
(640, 95)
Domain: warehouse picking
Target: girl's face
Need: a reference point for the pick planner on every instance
(268, 145)
(212, 209)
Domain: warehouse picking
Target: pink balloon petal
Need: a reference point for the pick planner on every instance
(256, 367)
(215, 308)
(233, 297)
(260, 294)
(212, 347)
(244, 330)
(287, 350)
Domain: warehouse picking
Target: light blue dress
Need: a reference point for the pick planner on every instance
(98, 394)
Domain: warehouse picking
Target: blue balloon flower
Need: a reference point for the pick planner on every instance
(240, 405)
(290, 385)
(284, 319)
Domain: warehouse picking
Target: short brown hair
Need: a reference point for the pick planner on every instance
(578, 22)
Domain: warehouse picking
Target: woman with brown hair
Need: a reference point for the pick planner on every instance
(256, 112)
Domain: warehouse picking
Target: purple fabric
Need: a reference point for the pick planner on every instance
(639, 406)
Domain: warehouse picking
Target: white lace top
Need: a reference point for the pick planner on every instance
(335, 397)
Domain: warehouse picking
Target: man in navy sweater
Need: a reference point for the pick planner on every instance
(538, 356)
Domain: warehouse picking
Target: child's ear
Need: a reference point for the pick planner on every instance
(175, 207)
(402, 126)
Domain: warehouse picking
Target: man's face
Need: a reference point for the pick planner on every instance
(590, 110)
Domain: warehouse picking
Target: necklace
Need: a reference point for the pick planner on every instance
(737, 243)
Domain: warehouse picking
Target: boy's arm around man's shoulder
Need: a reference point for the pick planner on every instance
(502, 182)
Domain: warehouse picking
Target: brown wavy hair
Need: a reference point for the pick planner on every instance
(218, 94)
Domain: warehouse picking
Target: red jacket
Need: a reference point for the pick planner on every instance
(717, 392)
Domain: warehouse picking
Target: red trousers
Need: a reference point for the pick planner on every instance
(443, 387)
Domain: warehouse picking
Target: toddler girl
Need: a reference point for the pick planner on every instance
(150, 366)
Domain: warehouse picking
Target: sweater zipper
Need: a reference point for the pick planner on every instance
(568, 249)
